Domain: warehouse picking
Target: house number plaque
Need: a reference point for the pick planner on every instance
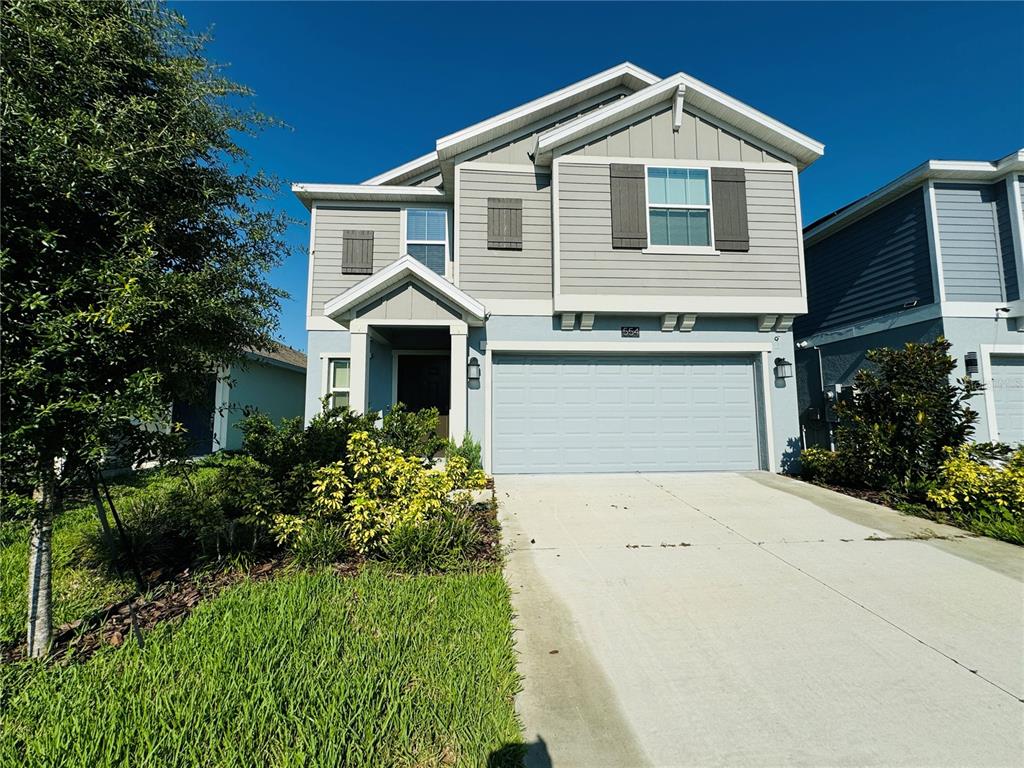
(630, 331)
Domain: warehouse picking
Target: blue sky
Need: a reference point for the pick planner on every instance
(367, 87)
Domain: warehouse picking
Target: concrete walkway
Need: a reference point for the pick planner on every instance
(749, 619)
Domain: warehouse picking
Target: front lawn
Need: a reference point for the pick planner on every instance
(308, 669)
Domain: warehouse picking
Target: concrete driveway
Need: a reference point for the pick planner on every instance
(749, 619)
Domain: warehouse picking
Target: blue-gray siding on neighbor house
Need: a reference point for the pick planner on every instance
(1009, 259)
(969, 241)
(873, 267)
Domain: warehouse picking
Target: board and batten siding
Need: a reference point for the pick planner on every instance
(331, 221)
(872, 267)
(653, 137)
(970, 243)
(517, 151)
(500, 273)
(589, 264)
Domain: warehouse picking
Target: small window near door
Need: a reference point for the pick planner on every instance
(426, 237)
(338, 378)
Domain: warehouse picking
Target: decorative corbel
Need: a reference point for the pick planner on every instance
(677, 108)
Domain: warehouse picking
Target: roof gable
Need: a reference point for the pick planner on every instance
(786, 141)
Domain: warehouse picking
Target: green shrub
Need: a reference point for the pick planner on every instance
(444, 543)
(319, 543)
(468, 450)
(904, 414)
(414, 433)
(818, 465)
(980, 497)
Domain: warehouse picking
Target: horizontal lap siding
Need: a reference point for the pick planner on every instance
(653, 136)
(504, 273)
(328, 280)
(969, 242)
(590, 265)
(872, 267)
(1009, 261)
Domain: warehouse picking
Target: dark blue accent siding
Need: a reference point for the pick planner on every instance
(1002, 202)
(872, 267)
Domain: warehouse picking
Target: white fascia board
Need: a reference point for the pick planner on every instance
(636, 304)
(698, 94)
(310, 193)
(626, 73)
(394, 273)
(964, 171)
(415, 167)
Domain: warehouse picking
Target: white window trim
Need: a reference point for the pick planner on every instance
(447, 235)
(326, 389)
(679, 250)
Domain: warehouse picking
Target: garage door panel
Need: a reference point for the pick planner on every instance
(623, 413)
(1008, 396)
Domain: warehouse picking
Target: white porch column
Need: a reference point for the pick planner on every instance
(457, 412)
(358, 369)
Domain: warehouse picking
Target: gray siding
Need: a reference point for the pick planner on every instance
(510, 274)
(652, 136)
(589, 264)
(407, 302)
(328, 281)
(969, 242)
(1007, 256)
(517, 150)
(870, 268)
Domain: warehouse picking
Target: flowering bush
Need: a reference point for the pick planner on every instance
(384, 489)
(982, 497)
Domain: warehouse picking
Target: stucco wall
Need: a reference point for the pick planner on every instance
(276, 391)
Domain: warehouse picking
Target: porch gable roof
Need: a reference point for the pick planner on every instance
(405, 269)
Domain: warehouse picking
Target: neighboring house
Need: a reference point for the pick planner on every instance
(600, 280)
(937, 252)
(270, 381)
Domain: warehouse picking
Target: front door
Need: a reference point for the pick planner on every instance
(424, 381)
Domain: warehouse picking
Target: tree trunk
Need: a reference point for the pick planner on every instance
(39, 561)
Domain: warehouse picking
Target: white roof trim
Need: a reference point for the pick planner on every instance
(944, 170)
(701, 96)
(421, 164)
(455, 143)
(310, 193)
(394, 274)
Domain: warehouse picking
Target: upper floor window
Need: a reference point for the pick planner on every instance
(679, 206)
(426, 237)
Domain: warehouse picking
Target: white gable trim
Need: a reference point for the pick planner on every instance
(395, 273)
(412, 168)
(698, 94)
(310, 193)
(460, 141)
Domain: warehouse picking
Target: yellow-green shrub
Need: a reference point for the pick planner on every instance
(384, 489)
(987, 499)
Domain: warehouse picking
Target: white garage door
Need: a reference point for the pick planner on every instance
(624, 413)
(1008, 397)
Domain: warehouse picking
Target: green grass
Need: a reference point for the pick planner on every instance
(78, 590)
(306, 670)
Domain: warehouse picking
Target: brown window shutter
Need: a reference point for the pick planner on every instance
(729, 204)
(629, 206)
(357, 252)
(505, 223)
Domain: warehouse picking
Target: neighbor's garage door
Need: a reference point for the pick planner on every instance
(1008, 396)
(623, 413)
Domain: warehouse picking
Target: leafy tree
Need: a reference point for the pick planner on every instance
(904, 413)
(135, 243)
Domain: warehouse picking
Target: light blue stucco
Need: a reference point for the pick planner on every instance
(275, 390)
(708, 330)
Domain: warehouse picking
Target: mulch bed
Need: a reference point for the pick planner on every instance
(865, 494)
(174, 597)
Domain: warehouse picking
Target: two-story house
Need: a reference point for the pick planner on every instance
(603, 279)
(937, 252)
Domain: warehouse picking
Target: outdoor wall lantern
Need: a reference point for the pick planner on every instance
(971, 363)
(473, 369)
(783, 368)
